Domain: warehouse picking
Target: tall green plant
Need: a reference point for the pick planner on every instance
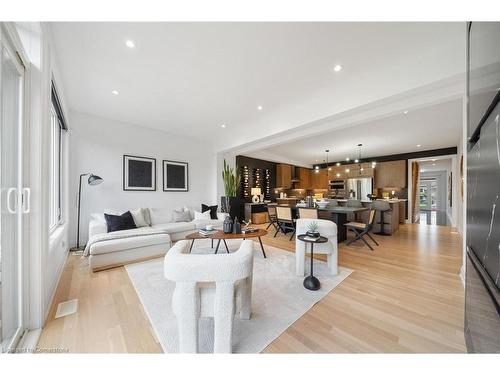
(231, 178)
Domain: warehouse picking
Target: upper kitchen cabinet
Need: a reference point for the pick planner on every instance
(390, 174)
(319, 180)
(304, 175)
(284, 176)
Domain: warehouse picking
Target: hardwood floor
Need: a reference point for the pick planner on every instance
(406, 296)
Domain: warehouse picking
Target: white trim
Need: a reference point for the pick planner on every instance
(54, 288)
(29, 341)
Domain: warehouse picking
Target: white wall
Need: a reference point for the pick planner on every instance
(97, 145)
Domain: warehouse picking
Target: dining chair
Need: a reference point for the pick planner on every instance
(271, 214)
(285, 220)
(308, 213)
(362, 229)
(354, 203)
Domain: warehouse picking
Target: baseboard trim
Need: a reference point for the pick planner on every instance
(54, 288)
(29, 341)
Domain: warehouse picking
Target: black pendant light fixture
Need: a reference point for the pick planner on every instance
(358, 160)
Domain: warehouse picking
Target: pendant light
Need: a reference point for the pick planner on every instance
(358, 160)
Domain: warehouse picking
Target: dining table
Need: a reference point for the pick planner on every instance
(337, 214)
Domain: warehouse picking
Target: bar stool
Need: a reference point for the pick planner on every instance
(383, 207)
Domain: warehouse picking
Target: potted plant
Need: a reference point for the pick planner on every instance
(312, 230)
(232, 180)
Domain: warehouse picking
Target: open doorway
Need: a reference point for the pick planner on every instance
(435, 192)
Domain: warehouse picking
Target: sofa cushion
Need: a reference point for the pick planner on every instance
(175, 227)
(212, 209)
(181, 216)
(139, 218)
(160, 215)
(119, 222)
(120, 244)
(202, 215)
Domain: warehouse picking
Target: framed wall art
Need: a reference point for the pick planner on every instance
(139, 173)
(175, 176)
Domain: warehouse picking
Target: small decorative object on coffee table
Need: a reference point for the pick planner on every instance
(228, 225)
(311, 282)
(236, 226)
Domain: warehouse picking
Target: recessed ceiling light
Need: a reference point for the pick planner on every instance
(347, 159)
(337, 68)
(130, 43)
(223, 126)
(114, 92)
(347, 170)
(356, 160)
(419, 145)
(259, 108)
(316, 167)
(405, 112)
(338, 174)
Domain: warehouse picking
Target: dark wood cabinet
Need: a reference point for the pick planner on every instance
(390, 174)
(284, 176)
(304, 175)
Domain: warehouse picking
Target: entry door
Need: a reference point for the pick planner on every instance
(11, 120)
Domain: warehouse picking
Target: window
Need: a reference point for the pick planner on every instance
(57, 127)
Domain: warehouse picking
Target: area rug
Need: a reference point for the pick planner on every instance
(278, 298)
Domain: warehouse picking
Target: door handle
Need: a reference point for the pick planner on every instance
(9, 208)
(26, 200)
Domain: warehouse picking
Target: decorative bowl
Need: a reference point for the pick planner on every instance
(322, 204)
(312, 234)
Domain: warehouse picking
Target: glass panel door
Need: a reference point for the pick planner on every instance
(11, 104)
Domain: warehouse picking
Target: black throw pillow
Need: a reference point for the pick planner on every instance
(213, 210)
(119, 222)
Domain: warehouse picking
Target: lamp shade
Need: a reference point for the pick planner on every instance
(94, 180)
(256, 191)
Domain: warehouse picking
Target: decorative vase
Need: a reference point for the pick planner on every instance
(312, 234)
(227, 226)
(236, 226)
(225, 204)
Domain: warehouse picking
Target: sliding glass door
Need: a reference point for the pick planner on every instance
(11, 111)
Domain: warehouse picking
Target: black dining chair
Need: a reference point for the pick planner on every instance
(271, 214)
(362, 229)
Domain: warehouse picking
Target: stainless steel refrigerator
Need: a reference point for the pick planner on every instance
(482, 292)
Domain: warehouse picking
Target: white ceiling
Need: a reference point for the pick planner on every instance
(431, 127)
(189, 78)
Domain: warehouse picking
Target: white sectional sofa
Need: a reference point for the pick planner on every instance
(153, 239)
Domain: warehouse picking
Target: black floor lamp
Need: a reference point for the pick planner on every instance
(92, 180)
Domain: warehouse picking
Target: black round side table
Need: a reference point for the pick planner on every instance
(311, 282)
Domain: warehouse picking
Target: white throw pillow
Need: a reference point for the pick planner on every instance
(202, 215)
(139, 219)
(160, 216)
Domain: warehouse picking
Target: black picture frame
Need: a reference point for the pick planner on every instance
(175, 176)
(139, 173)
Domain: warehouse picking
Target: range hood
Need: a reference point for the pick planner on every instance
(295, 174)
